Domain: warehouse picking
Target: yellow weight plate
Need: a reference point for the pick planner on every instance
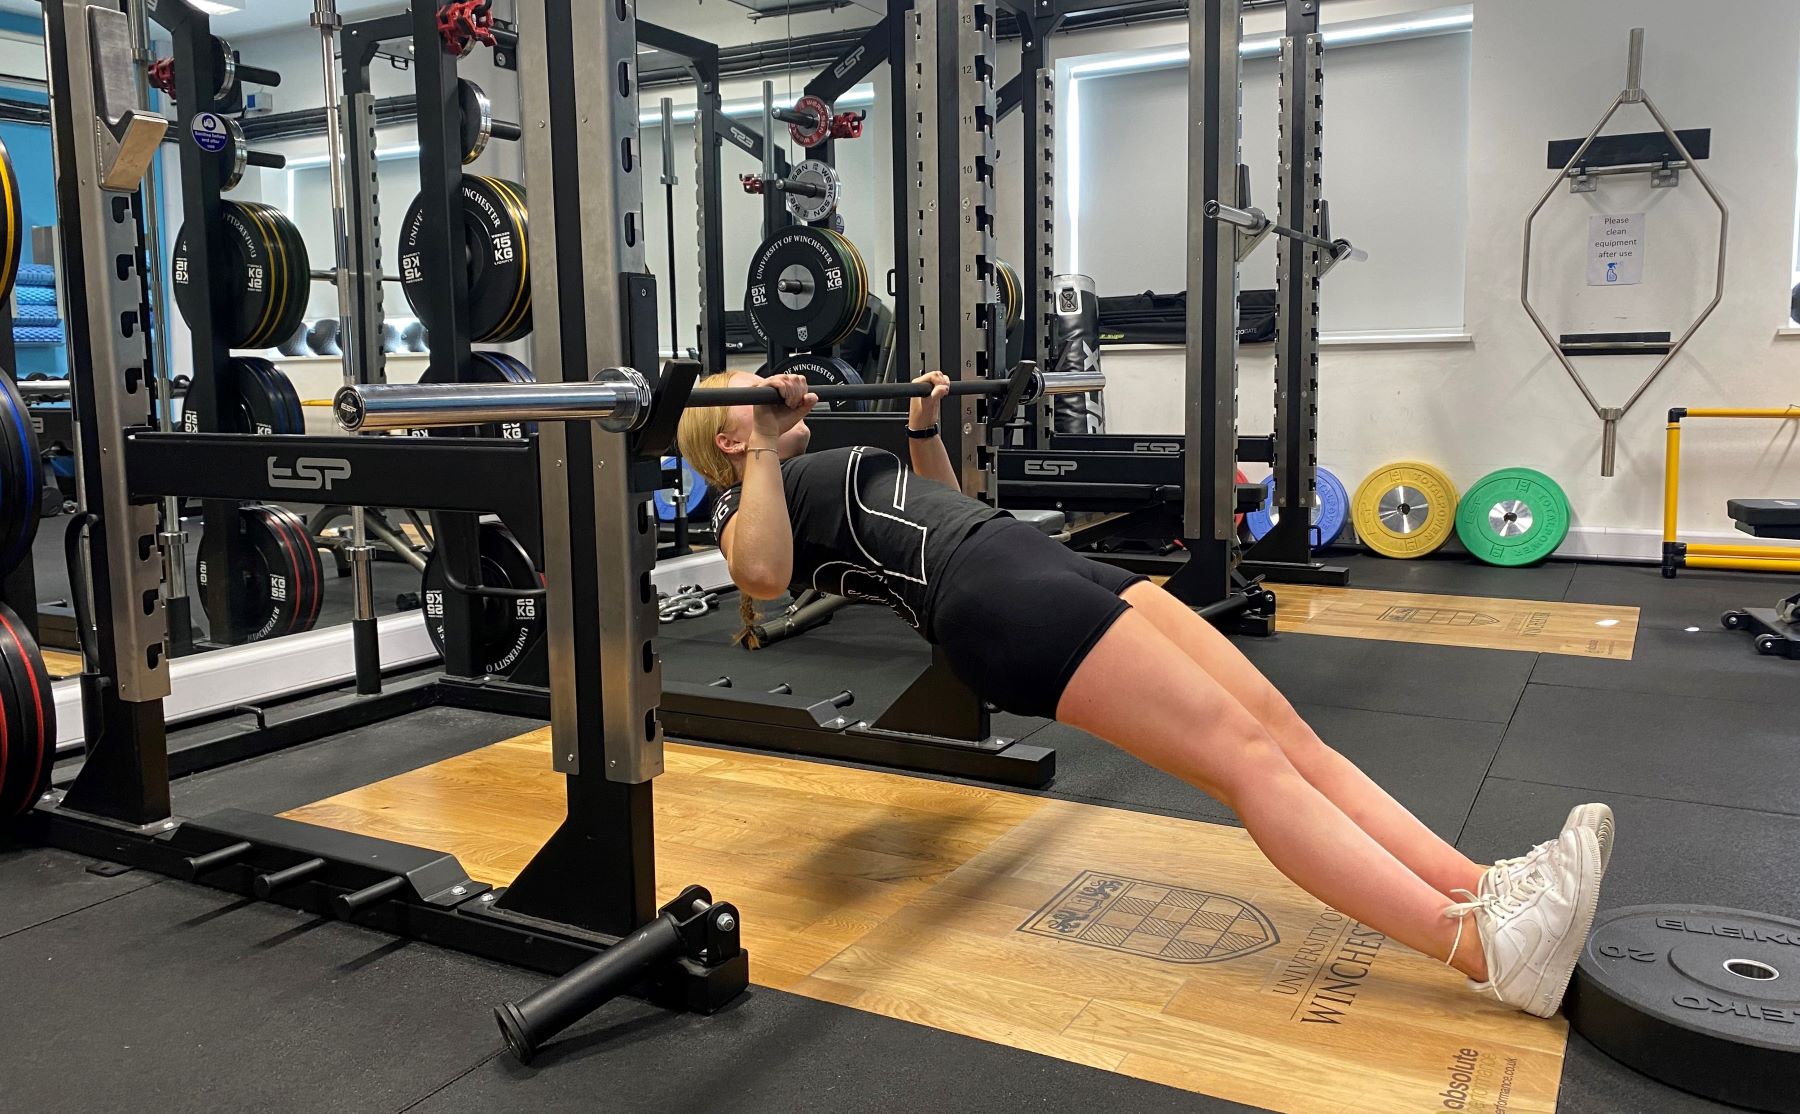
(1405, 509)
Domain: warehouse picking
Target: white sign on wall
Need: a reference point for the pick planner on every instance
(1615, 249)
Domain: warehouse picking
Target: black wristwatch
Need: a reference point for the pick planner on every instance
(923, 434)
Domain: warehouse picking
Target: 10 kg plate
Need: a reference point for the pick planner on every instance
(1704, 999)
(806, 289)
(506, 627)
(1405, 509)
(1513, 517)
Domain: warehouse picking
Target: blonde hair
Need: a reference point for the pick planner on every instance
(698, 439)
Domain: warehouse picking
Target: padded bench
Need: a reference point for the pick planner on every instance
(1048, 521)
(1767, 518)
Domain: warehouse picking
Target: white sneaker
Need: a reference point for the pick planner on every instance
(1532, 932)
(1507, 873)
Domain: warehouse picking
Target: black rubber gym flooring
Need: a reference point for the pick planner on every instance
(145, 992)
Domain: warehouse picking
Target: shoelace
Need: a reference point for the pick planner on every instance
(1497, 905)
(1504, 870)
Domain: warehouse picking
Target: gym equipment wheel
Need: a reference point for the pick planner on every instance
(1768, 645)
(1733, 620)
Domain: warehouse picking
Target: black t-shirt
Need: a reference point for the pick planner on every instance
(868, 528)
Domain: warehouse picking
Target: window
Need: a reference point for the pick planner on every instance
(309, 204)
(1395, 172)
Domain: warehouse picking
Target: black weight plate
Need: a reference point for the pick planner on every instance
(30, 718)
(279, 390)
(280, 289)
(259, 408)
(12, 218)
(247, 276)
(823, 371)
(477, 119)
(484, 367)
(309, 570)
(1704, 999)
(295, 273)
(833, 282)
(505, 629)
(494, 246)
(23, 483)
(268, 594)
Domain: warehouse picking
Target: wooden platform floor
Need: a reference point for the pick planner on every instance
(60, 664)
(1164, 949)
(1579, 629)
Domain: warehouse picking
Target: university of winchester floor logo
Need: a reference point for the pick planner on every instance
(1149, 918)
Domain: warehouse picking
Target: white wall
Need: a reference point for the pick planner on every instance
(1542, 70)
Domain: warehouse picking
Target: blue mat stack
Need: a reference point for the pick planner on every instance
(35, 320)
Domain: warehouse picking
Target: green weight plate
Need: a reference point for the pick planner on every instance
(493, 236)
(1512, 517)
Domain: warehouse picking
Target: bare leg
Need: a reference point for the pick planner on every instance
(1137, 690)
(1351, 790)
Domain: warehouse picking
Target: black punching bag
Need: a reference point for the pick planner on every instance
(1075, 342)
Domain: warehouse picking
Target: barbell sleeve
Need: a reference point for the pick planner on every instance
(1250, 220)
(804, 189)
(268, 160)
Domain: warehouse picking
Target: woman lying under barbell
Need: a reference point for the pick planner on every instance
(1041, 631)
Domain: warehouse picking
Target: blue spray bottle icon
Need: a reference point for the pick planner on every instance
(1612, 272)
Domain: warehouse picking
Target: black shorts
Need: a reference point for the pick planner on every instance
(1017, 611)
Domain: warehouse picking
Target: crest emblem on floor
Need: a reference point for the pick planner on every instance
(1166, 922)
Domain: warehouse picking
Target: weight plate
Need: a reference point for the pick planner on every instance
(821, 371)
(28, 725)
(290, 275)
(12, 236)
(309, 571)
(266, 403)
(277, 594)
(485, 367)
(1011, 293)
(826, 285)
(1406, 509)
(267, 272)
(494, 250)
(813, 172)
(1515, 516)
(1702, 998)
(22, 486)
(477, 119)
(505, 629)
(1237, 519)
(812, 137)
(1328, 516)
(692, 484)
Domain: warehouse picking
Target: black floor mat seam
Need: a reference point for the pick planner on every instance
(1488, 772)
(71, 912)
(452, 1081)
(1649, 797)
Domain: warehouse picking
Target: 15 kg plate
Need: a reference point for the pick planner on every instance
(1328, 517)
(493, 239)
(12, 223)
(506, 628)
(267, 275)
(1702, 998)
(1513, 517)
(1406, 509)
(1011, 292)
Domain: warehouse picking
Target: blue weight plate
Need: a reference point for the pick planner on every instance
(1328, 517)
(696, 492)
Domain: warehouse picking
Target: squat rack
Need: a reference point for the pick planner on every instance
(585, 905)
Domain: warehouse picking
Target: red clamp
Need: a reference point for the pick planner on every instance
(751, 183)
(847, 125)
(162, 75)
(464, 23)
